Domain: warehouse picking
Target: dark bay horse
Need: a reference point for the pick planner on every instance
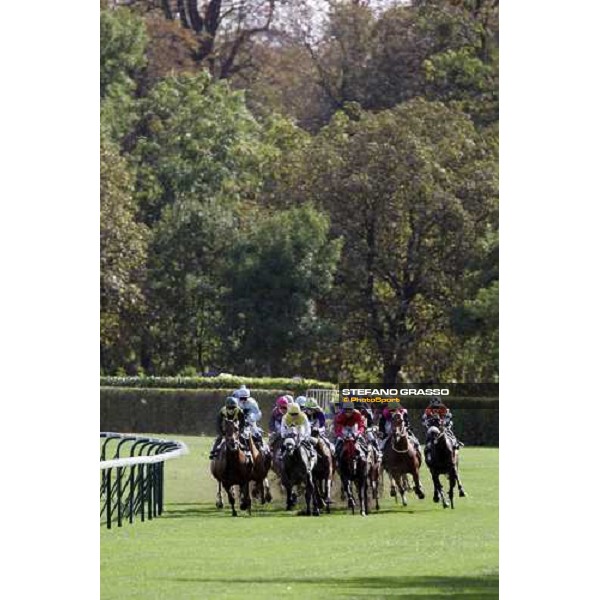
(232, 467)
(261, 464)
(444, 461)
(400, 458)
(374, 475)
(275, 443)
(323, 472)
(354, 468)
(298, 465)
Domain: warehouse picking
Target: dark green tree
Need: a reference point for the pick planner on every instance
(277, 274)
(412, 190)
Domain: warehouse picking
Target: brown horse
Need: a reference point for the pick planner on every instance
(323, 471)
(354, 468)
(232, 467)
(401, 458)
(374, 475)
(444, 461)
(261, 459)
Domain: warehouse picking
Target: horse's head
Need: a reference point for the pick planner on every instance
(232, 434)
(349, 445)
(290, 442)
(398, 424)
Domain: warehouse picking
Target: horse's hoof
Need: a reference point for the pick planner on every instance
(462, 493)
(363, 513)
(328, 509)
(234, 514)
(316, 513)
(219, 504)
(436, 499)
(393, 493)
(268, 497)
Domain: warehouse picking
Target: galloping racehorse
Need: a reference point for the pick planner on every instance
(354, 468)
(323, 472)
(374, 476)
(262, 460)
(400, 458)
(444, 461)
(232, 467)
(298, 465)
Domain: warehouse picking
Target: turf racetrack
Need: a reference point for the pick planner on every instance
(194, 551)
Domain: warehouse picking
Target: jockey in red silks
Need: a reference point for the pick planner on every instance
(347, 418)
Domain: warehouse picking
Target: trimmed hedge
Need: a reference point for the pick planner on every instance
(193, 412)
(221, 382)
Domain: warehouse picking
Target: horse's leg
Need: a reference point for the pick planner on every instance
(267, 497)
(436, 486)
(417, 480)
(365, 489)
(231, 497)
(289, 503)
(402, 486)
(308, 493)
(393, 490)
(320, 493)
(452, 478)
(316, 498)
(347, 486)
(328, 483)
(440, 490)
(245, 497)
(219, 502)
(461, 491)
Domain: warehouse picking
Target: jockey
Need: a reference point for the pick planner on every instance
(295, 418)
(385, 425)
(301, 402)
(316, 418)
(347, 418)
(367, 413)
(252, 413)
(435, 414)
(280, 410)
(231, 411)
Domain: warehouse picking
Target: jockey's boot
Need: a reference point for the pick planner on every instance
(213, 452)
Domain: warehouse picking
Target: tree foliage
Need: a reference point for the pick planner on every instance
(300, 187)
(123, 245)
(412, 190)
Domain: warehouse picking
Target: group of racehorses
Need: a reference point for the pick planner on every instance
(241, 462)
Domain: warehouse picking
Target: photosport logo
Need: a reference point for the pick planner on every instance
(377, 393)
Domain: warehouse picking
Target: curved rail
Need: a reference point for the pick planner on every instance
(137, 488)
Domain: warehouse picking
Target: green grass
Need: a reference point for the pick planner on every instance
(194, 551)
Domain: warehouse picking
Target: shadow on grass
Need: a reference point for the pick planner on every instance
(179, 510)
(484, 587)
